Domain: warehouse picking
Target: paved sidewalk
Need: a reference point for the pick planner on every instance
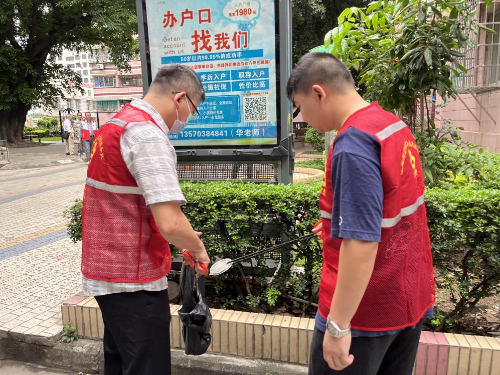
(18, 368)
(40, 265)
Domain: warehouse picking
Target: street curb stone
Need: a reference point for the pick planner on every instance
(87, 356)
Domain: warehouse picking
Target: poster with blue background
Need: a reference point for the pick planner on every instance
(231, 46)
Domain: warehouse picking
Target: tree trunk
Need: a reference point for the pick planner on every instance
(12, 122)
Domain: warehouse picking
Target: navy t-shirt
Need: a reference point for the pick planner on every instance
(358, 197)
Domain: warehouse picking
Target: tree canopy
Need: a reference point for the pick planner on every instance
(404, 50)
(34, 32)
(311, 19)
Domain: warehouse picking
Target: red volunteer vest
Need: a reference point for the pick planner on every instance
(120, 240)
(401, 288)
(86, 127)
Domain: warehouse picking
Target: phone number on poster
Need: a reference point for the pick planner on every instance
(204, 134)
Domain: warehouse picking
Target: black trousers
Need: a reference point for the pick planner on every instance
(383, 355)
(136, 333)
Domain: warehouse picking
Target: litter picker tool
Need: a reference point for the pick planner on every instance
(223, 265)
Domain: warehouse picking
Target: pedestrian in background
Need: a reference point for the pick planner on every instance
(131, 212)
(377, 281)
(86, 134)
(68, 128)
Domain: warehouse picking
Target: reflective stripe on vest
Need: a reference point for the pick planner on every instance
(406, 211)
(118, 122)
(390, 130)
(113, 188)
(326, 215)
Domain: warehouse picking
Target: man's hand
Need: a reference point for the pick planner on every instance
(336, 351)
(318, 228)
(200, 258)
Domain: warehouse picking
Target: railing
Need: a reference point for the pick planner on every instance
(482, 60)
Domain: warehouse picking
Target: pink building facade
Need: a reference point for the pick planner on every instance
(114, 88)
(477, 109)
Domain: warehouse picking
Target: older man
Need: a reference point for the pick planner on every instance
(68, 127)
(131, 211)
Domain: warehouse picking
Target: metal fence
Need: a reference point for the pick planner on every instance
(482, 60)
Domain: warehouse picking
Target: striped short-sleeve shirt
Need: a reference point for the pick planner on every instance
(151, 159)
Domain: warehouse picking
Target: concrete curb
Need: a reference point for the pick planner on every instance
(86, 356)
(80, 356)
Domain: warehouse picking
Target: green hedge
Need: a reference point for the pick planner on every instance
(313, 163)
(239, 218)
(464, 227)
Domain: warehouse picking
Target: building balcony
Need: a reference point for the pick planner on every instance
(118, 92)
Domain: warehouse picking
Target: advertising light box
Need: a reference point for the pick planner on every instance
(231, 46)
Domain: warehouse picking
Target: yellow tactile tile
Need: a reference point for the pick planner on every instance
(31, 236)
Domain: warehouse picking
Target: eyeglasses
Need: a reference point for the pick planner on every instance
(194, 115)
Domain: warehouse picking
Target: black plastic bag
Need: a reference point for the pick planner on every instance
(195, 314)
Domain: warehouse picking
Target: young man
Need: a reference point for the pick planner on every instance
(377, 280)
(131, 211)
(68, 127)
(86, 134)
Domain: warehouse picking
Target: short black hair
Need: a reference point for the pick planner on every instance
(319, 68)
(177, 77)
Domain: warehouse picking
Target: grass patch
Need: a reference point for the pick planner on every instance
(48, 139)
(315, 164)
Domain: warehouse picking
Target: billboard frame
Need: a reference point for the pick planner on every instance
(283, 152)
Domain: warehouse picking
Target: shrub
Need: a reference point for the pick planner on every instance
(53, 122)
(464, 228)
(315, 139)
(314, 163)
(28, 129)
(74, 214)
(40, 133)
(240, 218)
(42, 124)
(444, 155)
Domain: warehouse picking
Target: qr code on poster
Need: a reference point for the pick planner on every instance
(255, 108)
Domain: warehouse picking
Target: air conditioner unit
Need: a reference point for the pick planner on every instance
(100, 66)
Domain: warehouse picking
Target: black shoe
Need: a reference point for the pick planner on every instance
(67, 153)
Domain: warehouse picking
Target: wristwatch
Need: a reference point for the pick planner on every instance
(334, 330)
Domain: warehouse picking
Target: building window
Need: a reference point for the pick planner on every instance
(59, 58)
(78, 65)
(132, 80)
(85, 80)
(89, 92)
(84, 64)
(71, 66)
(85, 72)
(107, 106)
(493, 43)
(77, 57)
(70, 58)
(104, 81)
